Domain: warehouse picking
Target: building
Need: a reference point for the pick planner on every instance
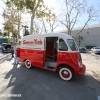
(90, 34)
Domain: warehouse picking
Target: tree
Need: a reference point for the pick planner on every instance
(5, 34)
(26, 32)
(33, 5)
(1, 33)
(38, 27)
(11, 20)
(74, 10)
(10, 40)
(47, 18)
(30, 5)
(78, 38)
(51, 20)
(19, 6)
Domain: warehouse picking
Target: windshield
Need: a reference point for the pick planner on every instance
(72, 45)
(83, 49)
(3, 44)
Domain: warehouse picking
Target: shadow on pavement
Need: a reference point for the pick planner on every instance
(39, 84)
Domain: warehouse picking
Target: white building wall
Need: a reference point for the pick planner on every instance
(91, 35)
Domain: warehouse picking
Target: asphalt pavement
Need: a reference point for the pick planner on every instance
(39, 84)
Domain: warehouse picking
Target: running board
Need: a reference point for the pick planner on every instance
(50, 65)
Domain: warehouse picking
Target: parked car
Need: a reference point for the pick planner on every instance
(82, 49)
(3, 44)
(95, 49)
(6, 48)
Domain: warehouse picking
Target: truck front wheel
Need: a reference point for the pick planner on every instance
(28, 64)
(65, 73)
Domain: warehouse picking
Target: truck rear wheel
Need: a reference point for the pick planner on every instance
(28, 64)
(65, 73)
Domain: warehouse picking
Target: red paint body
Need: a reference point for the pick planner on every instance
(18, 52)
(38, 58)
(71, 59)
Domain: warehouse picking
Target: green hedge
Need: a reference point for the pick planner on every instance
(89, 47)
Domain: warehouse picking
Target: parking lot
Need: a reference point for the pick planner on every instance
(39, 84)
(92, 62)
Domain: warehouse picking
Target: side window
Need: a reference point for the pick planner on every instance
(62, 45)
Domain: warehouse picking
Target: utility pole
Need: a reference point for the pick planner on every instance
(25, 27)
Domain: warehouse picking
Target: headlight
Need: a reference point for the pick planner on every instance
(80, 61)
(80, 64)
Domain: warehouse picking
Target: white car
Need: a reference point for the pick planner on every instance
(96, 49)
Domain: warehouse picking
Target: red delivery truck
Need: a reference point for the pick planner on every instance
(52, 51)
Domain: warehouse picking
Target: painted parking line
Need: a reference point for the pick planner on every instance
(98, 97)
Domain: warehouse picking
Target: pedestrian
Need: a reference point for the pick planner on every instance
(15, 51)
(12, 51)
(18, 55)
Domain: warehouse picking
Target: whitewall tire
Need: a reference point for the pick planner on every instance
(28, 64)
(65, 73)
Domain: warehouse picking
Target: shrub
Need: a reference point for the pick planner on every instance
(89, 47)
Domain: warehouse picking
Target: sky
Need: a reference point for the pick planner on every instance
(58, 5)
(2, 6)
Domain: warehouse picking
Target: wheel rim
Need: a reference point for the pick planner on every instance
(28, 63)
(65, 74)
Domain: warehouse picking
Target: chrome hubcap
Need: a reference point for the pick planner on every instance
(65, 73)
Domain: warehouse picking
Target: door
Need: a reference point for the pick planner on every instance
(51, 53)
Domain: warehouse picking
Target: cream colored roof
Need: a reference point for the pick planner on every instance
(62, 35)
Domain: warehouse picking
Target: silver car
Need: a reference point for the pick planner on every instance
(96, 49)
